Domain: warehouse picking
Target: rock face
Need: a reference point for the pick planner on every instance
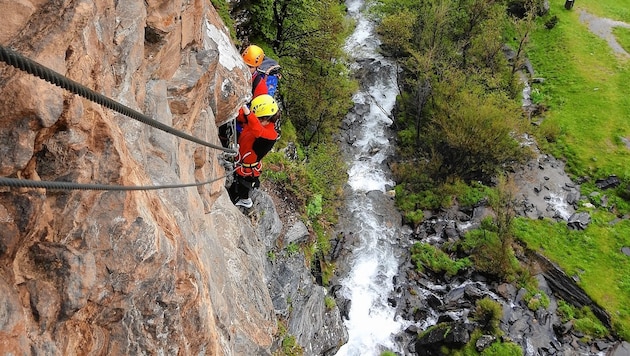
(174, 271)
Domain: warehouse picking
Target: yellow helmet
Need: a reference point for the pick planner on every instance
(264, 105)
(253, 56)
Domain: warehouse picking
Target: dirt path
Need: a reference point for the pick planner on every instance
(603, 27)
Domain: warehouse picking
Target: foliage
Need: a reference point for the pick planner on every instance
(487, 254)
(308, 38)
(292, 248)
(471, 134)
(491, 245)
(432, 258)
(412, 203)
(456, 119)
(488, 314)
(329, 302)
(271, 256)
(536, 299)
(289, 345)
(468, 195)
(503, 349)
(583, 320)
(318, 95)
(498, 348)
(409, 200)
(223, 8)
(414, 217)
(549, 131)
(314, 207)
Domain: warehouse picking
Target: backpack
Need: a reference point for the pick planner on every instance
(269, 70)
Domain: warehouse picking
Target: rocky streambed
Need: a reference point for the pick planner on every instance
(425, 299)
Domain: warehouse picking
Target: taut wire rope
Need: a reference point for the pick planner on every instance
(20, 62)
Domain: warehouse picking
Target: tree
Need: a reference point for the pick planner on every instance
(474, 133)
(308, 37)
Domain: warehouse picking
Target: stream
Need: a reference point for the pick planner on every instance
(374, 260)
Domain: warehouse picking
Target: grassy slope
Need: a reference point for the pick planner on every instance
(587, 88)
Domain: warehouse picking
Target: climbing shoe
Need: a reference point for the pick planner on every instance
(246, 203)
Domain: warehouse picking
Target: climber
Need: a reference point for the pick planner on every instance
(255, 141)
(253, 57)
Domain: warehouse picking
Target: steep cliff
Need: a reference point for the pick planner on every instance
(172, 271)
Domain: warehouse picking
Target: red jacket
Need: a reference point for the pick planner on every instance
(254, 142)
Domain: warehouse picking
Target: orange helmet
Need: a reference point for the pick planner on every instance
(253, 56)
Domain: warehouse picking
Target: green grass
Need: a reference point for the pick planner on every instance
(592, 256)
(587, 90)
(587, 87)
(614, 9)
(622, 35)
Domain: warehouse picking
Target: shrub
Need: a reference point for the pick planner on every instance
(584, 319)
(434, 259)
(488, 314)
(537, 299)
(314, 207)
(488, 254)
(551, 23)
(290, 347)
(329, 302)
(414, 217)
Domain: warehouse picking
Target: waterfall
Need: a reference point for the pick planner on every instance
(371, 323)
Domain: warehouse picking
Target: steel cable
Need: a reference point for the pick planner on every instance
(20, 62)
(51, 185)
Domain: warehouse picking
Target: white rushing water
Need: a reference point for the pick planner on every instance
(371, 322)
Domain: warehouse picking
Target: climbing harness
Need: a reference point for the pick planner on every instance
(246, 169)
(20, 62)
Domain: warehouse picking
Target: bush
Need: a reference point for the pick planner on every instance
(434, 259)
(488, 314)
(537, 299)
(488, 254)
(584, 320)
(549, 131)
(551, 23)
(329, 302)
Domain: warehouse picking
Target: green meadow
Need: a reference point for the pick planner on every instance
(586, 90)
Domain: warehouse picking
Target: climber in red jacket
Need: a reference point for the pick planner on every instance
(253, 57)
(255, 141)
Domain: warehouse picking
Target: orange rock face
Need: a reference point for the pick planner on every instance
(170, 271)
